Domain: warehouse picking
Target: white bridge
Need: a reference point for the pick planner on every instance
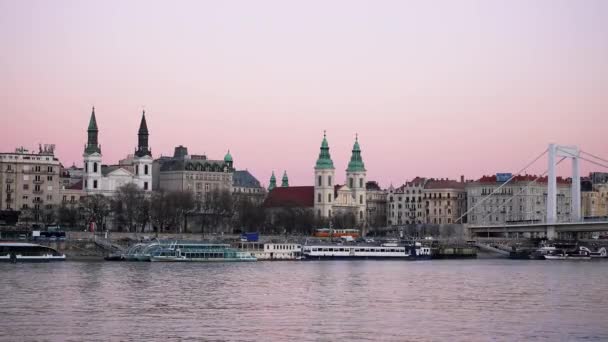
(551, 227)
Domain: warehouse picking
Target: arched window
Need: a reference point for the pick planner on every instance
(94, 167)
(319, 197)
(320, 182)
(360, 182)
(145, 169)
(329, 198)
(328, 180)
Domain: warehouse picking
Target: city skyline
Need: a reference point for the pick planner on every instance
(485, 91)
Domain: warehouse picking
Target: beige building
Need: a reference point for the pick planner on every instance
(595, 203)
(196, 173)
(245, 185)
(376, 204)
(405, 205)
(520, 201)
(444, 201)
(29, 181)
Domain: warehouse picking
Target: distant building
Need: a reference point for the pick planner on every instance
(445, 201)
(29, 181)
(599, 177)
(326, 198)
(594, 201)
(106, 179)
(521, 201)
(196, 173)
(405, 205)
(245, 185)
(376, 204)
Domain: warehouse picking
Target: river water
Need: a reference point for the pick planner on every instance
(443, 300)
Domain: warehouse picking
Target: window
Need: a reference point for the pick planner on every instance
(95, 182)
(49, 169)
(360, 182)
(329, 198)
(145, 169)
(319, 198)
(49, 178)
(361, 214)
(350, 182)
(86, 167)
(137, 169)
(26, 186)
(320, 182)
(329, 213)
(86, 184)
(328, 180)
(145, 185)
(360, 199)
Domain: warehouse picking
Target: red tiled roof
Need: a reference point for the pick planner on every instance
(525, 178)
(292, 196)
(444, 184)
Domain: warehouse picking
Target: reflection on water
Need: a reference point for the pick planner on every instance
(305, 301)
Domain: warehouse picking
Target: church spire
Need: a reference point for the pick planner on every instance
(273, 182)
(142, 138)
(356, 162)
(92, 145)
(285, 180)
(324, 161)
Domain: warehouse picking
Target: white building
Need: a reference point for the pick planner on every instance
(104, 179)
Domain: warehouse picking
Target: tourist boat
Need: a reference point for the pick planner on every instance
(600, 253)
(185, 251)
(28, 252)
(541, 252)
(560, 254)
(384, 251)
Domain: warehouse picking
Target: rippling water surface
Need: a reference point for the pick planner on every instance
(459, 300)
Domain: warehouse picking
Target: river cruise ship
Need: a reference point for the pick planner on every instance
(190, 251)
(351, 251)
(28, 252)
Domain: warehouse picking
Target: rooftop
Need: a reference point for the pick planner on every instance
(293, 196)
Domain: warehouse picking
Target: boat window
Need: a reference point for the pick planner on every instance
(341, 249)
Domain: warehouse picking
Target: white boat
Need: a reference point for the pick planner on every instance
(192, 251)
(384, 251)
(28, 252)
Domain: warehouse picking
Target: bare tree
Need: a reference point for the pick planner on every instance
(96, 209)
(126, 204)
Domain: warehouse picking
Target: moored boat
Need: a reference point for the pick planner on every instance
(600, 253)
(28, 252)
(560, 254)
(365, 251)
(188, 251)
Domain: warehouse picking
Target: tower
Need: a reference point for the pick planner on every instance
(355, 178)
(92, 158)
(285, 180)
(324, 181)
(228, 160)
(143, 157)
(273, 182)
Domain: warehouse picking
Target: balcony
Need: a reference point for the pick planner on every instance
(9, 191)
(37, 192)
(40, 181)
(9, 180)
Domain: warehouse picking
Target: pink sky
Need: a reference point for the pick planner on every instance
(434, 88)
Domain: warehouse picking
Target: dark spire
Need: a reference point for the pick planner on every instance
(142, 138)
(92, 145)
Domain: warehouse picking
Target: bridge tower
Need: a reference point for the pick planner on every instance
(572, 152)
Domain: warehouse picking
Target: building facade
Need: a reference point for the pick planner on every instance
(523, 200)
(245, 185)
(29, 181)
(595, 202)
(195, 173)
(376, 205)
(106, 179)
(405, 203)
(445, 201)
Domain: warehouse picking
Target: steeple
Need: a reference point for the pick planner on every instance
(228, 159)
(273, 182)
(324, 161)
(356, 162)
(92, 145)
(142, 138)
(285, 180)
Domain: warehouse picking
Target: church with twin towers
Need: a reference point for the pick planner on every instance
(326, 198)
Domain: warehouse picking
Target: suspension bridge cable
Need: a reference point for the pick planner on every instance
(585, 159)
(520, 191)
(501, 186)
(594, 156)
